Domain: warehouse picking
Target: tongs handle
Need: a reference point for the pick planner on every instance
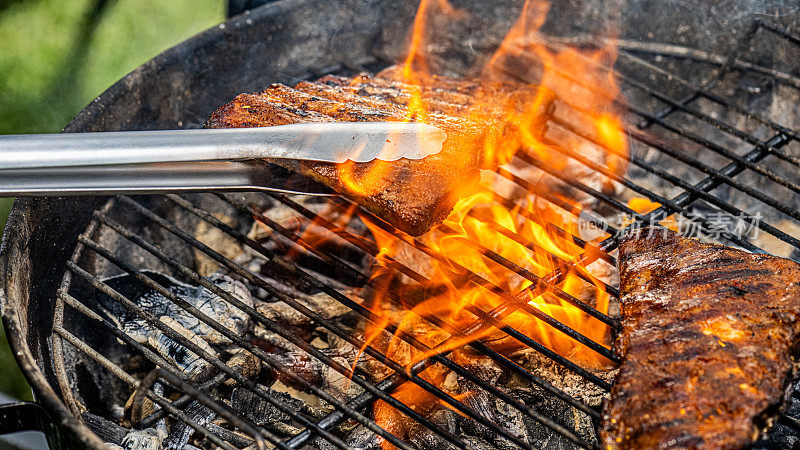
(138, 147)
(327, 142)
(155, 178)
(198, 160)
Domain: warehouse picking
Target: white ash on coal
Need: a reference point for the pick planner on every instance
(207, 302)
(175, 434)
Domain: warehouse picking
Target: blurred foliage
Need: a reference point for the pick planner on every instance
(57, 55)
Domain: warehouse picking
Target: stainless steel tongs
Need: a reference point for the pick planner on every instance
(199, 160)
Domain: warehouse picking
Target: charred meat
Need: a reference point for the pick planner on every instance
(708, 338)
(412, 195)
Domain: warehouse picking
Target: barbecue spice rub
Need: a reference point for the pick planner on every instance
(708, 338)
(412, 195)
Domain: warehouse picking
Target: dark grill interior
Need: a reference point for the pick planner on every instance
(711, 137)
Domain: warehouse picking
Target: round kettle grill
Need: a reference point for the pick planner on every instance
(293, 40)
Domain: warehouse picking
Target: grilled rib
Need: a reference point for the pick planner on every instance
(412, 195)
(708, 338)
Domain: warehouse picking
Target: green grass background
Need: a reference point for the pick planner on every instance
(57, 55)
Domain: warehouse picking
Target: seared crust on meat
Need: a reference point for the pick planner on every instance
(708, 338)
(412, 195)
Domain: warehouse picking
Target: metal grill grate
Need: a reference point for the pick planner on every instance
(676, 161)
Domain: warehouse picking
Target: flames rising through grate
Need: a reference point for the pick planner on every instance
(499, 239)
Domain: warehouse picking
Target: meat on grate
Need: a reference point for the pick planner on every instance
(708, 338)
(412, 195)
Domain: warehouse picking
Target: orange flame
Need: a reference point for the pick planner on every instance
(643, 206)
(509, 239)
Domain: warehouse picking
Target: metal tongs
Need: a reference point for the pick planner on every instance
(199, 160)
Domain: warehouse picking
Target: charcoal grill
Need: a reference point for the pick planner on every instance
(713, 134)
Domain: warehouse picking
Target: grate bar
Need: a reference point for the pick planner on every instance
(681, 200)
(580, 271)
(703, 92)
(682, 105)
(220, 409)
(300, 308)
(739, 160)
(688, 197)
(441, 394)
(194, 348)
(395, 381)
(729, 170)
(644, 191)
(703, 194)
(779, 30)
(700, 189)
(682, 209)
(58, 318)
(359, 308)
(519, 336)
(564, 234)
(482, 282)
(439, 322)
(295, 239)
(530, 276)
(593, 220)
(278, 330)
(124, 376)
(710, 145)
(587, 246)
(607, 199)
(555, 201)
(147, 353)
